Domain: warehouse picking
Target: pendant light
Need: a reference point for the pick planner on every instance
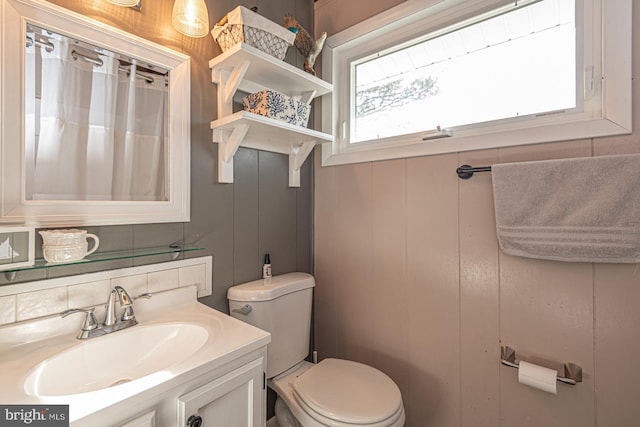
(125, 3)
(190, 17)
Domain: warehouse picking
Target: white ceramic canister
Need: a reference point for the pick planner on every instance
(67, 245)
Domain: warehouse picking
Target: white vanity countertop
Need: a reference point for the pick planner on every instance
(25, 345)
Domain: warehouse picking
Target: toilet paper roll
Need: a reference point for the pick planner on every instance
(539, 377)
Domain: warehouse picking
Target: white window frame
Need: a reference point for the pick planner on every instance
(607, 101)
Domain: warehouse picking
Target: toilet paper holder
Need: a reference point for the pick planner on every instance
(572, 372)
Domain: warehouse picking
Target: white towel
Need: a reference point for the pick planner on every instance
(581, 210)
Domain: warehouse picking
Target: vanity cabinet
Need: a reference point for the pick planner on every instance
(145, 420)
(232, 395)
(247, 69)
(235, 399)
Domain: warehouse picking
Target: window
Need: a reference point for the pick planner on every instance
(447, 78)
(461, 77)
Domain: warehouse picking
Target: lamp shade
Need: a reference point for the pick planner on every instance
(125, 3)
(190, 17)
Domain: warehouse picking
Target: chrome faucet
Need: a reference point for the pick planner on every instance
(91, 328)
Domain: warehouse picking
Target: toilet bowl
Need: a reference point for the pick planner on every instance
(337, 393)
(332, 393)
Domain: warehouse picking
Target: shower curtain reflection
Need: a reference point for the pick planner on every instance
(95, 129)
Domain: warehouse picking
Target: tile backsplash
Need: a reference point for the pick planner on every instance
(30, 300)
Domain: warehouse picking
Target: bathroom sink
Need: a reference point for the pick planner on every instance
(177, 343)
(115, 359)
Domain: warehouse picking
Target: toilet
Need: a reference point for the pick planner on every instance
(334, 392)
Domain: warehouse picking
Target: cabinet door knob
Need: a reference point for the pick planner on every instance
(194, 421)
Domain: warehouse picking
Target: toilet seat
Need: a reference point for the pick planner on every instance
(339, 392)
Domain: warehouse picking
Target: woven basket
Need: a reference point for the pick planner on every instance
(260, 39)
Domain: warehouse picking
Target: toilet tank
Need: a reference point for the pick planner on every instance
(280, 305)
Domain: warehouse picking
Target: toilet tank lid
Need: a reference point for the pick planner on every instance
(268, 289)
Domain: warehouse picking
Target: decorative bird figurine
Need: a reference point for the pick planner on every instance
(305, 44)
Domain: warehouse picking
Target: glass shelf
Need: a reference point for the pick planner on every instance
(110, 256)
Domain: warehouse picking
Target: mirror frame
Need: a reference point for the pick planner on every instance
(14, 14)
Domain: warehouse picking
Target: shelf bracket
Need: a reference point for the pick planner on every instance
(228, 83)
(227, 147)
(234, 80)
(307, 97)
(297, 156)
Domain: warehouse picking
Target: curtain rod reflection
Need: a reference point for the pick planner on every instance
(98, 63)
(49, 47)
(95, 61)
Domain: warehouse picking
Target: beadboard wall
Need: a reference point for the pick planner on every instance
(410, 279)
(32, 300)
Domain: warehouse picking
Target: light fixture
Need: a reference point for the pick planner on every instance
(191, 17)
(126, 3)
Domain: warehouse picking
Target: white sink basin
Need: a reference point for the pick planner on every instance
(115, 359)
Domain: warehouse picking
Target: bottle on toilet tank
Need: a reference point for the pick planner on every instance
(266, 268)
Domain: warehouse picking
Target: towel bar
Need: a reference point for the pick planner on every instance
(572, 372)
(466, 171)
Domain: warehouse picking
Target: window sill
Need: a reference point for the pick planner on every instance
(413, 146)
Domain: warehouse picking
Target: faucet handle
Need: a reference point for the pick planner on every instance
(127, 312)
(90, 323)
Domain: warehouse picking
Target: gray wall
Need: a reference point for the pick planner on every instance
(235, 223)
(238, 223)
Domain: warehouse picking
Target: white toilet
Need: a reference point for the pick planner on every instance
(334, 392)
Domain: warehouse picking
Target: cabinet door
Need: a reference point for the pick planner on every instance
(146, 420)
(236, 399)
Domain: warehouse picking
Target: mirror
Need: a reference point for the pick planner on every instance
(95, 122)
(97, 129)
